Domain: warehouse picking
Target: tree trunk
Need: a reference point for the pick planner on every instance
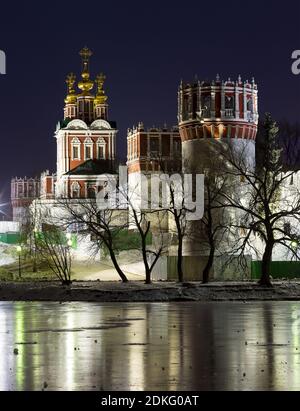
(266, 265)
(207, 268)
(148, 277)
(117, 267)
(147, 270)
(179, 260)
(34, 267)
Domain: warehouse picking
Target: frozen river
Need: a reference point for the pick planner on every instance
(150, 346)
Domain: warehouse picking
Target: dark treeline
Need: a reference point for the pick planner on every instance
(288, 140)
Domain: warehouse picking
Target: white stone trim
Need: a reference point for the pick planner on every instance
(75, 142)
(101, 143)
(75, 186)
(88, 143)
(100, 124)
(76, 124)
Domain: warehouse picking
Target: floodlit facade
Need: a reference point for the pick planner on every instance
(86, 141)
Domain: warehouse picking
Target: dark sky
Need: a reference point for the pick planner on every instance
(144, 48)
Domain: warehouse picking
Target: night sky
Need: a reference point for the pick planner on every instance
(144, 48)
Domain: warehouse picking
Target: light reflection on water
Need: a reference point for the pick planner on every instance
(150, 346)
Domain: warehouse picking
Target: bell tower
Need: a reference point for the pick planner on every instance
(86, 139)
(211, 115)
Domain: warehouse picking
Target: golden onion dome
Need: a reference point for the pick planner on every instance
(86, 84)
(71, 96)
(100, 98)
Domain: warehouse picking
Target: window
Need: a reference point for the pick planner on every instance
(75, 153)
(20, 190)
(91, 192)
(205, 105)
(154, 145)
(75, 149)
(101, 145)
(249, 104)
(75, 190)
(30, 190)
(229, 106)
(177, 146)
(88, 148)
(100, 151)
(88, 152)
(229, 102)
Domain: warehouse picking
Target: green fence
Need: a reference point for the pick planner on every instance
(10, 238)
(129, 240)
(279, 269)
(57, 238)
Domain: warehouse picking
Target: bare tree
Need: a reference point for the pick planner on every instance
(266, 202)
(213, 224)
(53, 246)
(146, 222)
(104, 225)
(143, 225)
(180, 223)
(176, 207)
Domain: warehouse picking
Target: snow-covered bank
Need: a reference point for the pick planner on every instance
(98, 291)
(4, 257)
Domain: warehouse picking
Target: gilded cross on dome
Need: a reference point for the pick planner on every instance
(70, 80)
(86, 84)
(71, 96)
(100, 97)
(85, 53)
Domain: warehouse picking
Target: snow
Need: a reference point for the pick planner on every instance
(5, 258)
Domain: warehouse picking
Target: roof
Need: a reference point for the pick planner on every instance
(94, 167)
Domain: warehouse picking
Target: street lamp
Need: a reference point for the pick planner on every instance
(69, 239)
(19, 250)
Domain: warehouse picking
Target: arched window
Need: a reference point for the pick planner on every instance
(88, 148)
(205, 105)
(249, 104)
(249, 108)
(229, 102)
(229, 106)
(101, 145)
(75, 148)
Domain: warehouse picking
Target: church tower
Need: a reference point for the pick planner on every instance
(211, 115)
(86, 138)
